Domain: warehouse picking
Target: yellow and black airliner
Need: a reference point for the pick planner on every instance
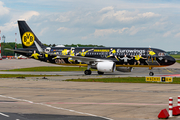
(104, 59)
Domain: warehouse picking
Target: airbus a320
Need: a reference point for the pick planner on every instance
(103, 59)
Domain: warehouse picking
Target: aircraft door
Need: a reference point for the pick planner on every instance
(151, 60)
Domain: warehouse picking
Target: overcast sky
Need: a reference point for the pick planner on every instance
(115, 23)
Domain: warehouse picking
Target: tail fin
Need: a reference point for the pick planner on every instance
(28, 38)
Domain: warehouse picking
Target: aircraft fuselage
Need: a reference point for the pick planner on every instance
(127, 57)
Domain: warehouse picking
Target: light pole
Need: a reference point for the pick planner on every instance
(15, 45)
(0, 46)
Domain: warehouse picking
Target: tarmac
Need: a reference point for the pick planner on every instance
(54, 99)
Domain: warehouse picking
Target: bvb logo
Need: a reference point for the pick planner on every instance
(28, 38)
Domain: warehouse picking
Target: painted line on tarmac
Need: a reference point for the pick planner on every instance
(59, 108)
(74, 103)
(168, 70)
(12, 102)
(4, 115)
(84, 103)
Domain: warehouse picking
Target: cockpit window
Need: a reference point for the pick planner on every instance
(162, 54)
(166, 54)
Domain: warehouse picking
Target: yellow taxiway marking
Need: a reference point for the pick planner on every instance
(168, 70)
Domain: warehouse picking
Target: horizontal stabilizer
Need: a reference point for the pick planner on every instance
(18, 50)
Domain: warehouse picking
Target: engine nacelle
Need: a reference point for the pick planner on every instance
(106, 66)
(124, 69)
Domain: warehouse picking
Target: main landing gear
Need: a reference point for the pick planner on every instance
(87, 72)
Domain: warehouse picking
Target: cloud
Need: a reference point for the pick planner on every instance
(177, 35)
(43, 30)
(84, 38)
(8, 26)
(3, 10)
(167, 34)
(62, 28)
(83, 21)
(125, 16)
(28, 15)
(103, 32)
(64, 17)
(133, 30)
(160, 23)
(106, 32)
(106, 9)
(148, 15)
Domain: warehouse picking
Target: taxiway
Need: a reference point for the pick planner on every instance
(54, 99)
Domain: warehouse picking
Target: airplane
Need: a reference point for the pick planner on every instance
(103, 59)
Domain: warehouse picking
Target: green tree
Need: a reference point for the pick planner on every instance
(10, 45)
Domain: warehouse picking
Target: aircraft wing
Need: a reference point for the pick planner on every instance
(87, 60)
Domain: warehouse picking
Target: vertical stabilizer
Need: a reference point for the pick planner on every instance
(27, 36)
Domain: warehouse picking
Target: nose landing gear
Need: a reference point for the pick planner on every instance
(151, 73)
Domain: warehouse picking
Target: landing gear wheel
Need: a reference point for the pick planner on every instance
(87, 72)
(151, 73)
(100, 73)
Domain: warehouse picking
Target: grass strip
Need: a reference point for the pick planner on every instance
(176, 56)
(23, 75)
(178, 61)
(50, 68)
(121, 80)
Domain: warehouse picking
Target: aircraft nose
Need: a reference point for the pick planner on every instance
(171, 60)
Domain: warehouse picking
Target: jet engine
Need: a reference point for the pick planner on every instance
(124, 69)
(106, 66)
